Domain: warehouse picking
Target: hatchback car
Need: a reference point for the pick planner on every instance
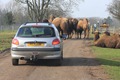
(35, 41)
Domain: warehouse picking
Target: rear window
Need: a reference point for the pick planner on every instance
(36, 32)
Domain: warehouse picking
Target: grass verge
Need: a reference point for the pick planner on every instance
(110, 60)
(6, 39)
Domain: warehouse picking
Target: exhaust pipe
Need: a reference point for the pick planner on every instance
(22, 58)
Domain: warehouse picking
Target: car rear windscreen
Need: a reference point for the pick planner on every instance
(36, 32)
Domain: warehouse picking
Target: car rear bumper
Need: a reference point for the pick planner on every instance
(54, 53)
(36, 49)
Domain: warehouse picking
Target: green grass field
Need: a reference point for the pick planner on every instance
(110, 60)
(6, 39)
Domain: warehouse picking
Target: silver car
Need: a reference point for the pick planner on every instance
(35, 41)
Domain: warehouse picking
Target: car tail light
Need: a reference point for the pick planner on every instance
(55, 42)
(15, 41)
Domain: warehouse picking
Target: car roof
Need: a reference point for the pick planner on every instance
(37, 24)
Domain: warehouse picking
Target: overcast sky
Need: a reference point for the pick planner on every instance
(4, 1)
(92, 8)
(88, 8)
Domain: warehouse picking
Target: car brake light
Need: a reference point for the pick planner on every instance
(55, 42)
(15, 41)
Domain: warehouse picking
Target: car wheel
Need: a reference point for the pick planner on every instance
(59, 62)
(15, 61)
(62, 55)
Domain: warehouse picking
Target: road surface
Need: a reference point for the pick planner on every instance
(79, 63)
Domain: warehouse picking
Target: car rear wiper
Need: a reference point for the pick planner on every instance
(38, 35)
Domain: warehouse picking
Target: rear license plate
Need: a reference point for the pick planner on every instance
(35, 44)
(35, 53)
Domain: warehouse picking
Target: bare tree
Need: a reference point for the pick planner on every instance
(18, 10)
(36, 8)
(114, 9)
(39, 9)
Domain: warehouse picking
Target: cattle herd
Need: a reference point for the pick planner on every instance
(70, 26)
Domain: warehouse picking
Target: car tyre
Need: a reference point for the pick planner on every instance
(62, 55)
(58, 62)
(15, 61)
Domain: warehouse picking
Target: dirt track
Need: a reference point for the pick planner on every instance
(78, 64)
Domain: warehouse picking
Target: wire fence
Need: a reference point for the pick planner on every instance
(9, 27)
(112, 29)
